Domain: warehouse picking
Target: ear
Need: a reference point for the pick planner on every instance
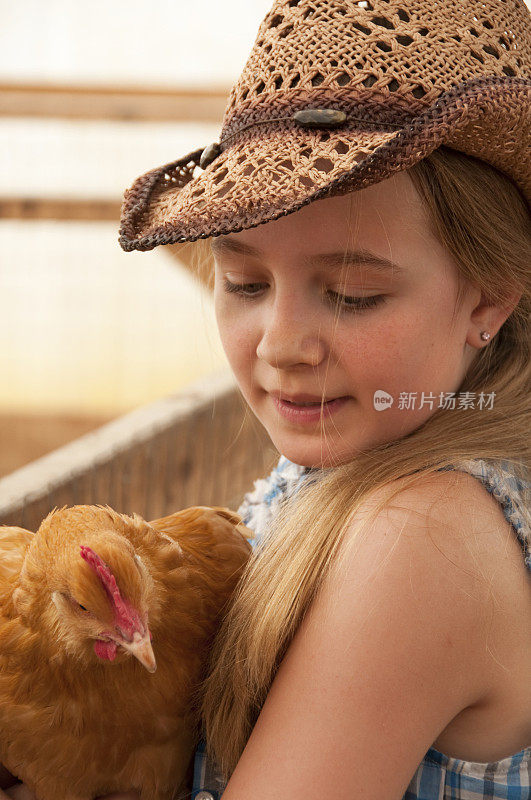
(488, 317)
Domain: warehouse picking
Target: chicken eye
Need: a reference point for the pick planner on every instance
(82, 607)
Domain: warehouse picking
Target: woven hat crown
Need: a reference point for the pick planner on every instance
(405, 53)
(407, 75)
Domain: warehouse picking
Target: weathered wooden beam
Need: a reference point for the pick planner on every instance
(69, 209)
(199, 447)
(26, 436)
(113, 102)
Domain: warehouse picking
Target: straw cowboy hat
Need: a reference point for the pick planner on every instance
(337, 95)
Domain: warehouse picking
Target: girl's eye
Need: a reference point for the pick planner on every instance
(356, 303)
(247, 289)
(345, 302)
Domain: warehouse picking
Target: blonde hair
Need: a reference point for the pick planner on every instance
(479, 215)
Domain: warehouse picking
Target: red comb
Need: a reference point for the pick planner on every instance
(126, 617)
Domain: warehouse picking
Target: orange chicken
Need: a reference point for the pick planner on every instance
(106, 622)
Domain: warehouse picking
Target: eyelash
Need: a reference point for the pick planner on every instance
(362, 303)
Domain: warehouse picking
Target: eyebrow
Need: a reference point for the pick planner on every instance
(341, 259)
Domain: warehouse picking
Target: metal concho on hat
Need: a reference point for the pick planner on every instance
(306, 117)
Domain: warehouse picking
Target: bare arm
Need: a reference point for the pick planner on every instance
(391, 650)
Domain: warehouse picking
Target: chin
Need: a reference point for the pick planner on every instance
(309, 457)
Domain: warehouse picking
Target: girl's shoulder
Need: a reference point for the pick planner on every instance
(473, 509)
(511, 487)
(505, 488)
(497, 486)
(479, 509)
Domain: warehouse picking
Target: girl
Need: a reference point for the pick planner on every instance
(367, 209)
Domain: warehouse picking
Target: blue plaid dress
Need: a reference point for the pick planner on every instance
(438, 776)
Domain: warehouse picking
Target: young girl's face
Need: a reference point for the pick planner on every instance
(300, 319)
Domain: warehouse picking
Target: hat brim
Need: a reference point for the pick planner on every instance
(270, 173)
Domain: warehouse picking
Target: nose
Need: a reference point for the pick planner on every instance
(290, 337)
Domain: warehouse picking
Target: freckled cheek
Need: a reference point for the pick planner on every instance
(237, 336)
(387, 352)
(411, 352)
(376, 340)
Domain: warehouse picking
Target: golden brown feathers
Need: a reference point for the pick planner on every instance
(79, 713)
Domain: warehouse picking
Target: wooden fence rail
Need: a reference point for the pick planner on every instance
(119, 103)
(201, 447)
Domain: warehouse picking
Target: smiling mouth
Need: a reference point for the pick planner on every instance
(310, 403)
(305, 399)
(308, 412)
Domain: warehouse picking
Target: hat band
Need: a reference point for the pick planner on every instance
(318, 123)
(327, 118)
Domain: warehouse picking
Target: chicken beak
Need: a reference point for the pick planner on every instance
(141, 649)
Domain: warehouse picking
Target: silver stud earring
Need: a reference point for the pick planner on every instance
(484, 336)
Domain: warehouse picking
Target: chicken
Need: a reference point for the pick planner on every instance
(105, 627)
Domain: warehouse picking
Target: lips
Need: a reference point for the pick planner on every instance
(301, 398)
(307, 408)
